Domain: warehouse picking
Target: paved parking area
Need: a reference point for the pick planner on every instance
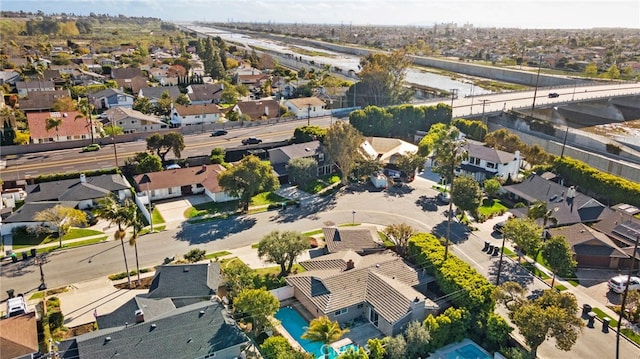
(172, 210)
(593, 282)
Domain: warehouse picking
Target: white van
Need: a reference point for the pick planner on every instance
(16, 306)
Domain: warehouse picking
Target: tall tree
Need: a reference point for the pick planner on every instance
(301, 170)
(409, 163)
(428, 143)
(62, 218)
(525, 233)
(134, 220)
(400, 234)
(248, 178)
(282, 248)
(86, 109)
(342, 145)
(395, 347)
(492, 187)
(51, 123)
(558, 254)
(417, 337)
(538, 210)
(257, 305)
(162, 144)
(143, 104)
(325, 331)
(466, 194)
(382, 79)
(109, 208)
(449, 153)
(552, 315)
(163, 106)
(238, 277)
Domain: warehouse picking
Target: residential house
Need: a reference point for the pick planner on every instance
(24, 88)
(194, 114)
(111, 98)
(71, 127)
(9, 77)
(132, 121)
(360, 240)
(83, 77)
(623, 227)
(41, 100)
(258, 109)
(386, 150)
(591, 248)
(181, 307)
(108, 62)
(205, 93)
(305, 107)
(485, 162)
(19, 336)
(82, 193)
(173, 286)
(280, 157)
(567, 205)
(380, 288)
(252, 82)
(182, 182)
(155, 93)
(126, 73)
(133, 84)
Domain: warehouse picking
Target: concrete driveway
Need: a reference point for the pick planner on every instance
(172, 210)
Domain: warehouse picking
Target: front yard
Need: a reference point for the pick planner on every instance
(22, 239)
(221, 208)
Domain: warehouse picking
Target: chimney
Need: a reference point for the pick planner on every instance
(139, 316)
(204, 168)
(350, 264)
(266, 110)
(83, 178)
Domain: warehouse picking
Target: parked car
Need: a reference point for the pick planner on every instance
(618, 283)
(251, 141)
(92, 220)
(498, 227)
(91, 148)
(554, 95)
(174, 166)
(16, 306)
(219, 133)
(397, 181)
(444, 197)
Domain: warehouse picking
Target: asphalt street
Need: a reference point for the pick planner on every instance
(414, 204)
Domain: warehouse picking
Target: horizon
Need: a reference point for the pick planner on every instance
(517, 14)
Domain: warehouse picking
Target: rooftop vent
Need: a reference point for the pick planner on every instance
(185, 269)
(201, 313)
(107, 339)
(350, 264)
(139, 316)
(153, 326)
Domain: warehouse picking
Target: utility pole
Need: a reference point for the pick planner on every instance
(308, 114)
(624, 295)
(484, 102)
(535, 91)
(454, 94)
(113, 140)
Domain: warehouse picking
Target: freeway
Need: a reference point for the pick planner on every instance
(71, 160)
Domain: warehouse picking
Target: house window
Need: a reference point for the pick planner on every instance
(321, 157)
(340, 312)
(170, 190)
(491, 165)
(210, 355)
(197, 116)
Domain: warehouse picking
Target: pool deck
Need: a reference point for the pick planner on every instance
(444, 352)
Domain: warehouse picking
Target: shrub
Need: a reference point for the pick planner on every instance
(195, 255)
(56, 320)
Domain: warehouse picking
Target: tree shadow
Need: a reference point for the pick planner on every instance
(306, 210)
(399, 191)
(459, 232)
(510, 272)
(215, 229)
(427, 204)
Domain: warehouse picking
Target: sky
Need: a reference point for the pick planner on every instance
(524, 14)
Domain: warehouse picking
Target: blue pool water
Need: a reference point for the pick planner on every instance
(295, 324)
(468, 351)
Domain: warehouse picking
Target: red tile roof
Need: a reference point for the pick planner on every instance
(69, 126)
(206, 175)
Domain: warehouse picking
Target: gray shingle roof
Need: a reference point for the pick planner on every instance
(74, 190)
(381, 275)
(156, 92)
(586, 241)
(189, 332)
(185, 280)
(300, 150)
(151, 308)
(357, 239)
(29, 210)
(479, 150)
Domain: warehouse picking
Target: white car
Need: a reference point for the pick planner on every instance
(618, 283)
(174, 166)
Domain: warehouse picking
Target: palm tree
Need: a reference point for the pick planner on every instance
(84, 106)
(324, 330)
(110, 209)
(538, 210)
(52, 122)
(135, 222)
(449, 153)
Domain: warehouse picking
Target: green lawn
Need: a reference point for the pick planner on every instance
(217, 254)
(492, 207)
(600, 314)
(629, 333)
(266, 198)
(385, 240)
(319, 184)
(156, 216)
(21, 240)
(313, 233)
(87, 242)
(216, 208)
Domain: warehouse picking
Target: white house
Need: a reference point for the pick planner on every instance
(181, 182)
(485, 162)
(24, 88)
(194, 114)
(133, 121)
(307, 107)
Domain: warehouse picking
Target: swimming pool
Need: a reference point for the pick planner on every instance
(295, 325)
(467, 351)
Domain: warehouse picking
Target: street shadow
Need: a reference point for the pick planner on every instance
(22, 267)
(90, 258)
(459, 232)
(427, 204)
(306, 210)
(214, 230)
(510, 272)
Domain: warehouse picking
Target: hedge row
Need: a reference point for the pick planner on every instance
(69, 175)
(608, 187)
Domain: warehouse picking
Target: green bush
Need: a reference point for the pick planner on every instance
(195, 255)
(600, 184)
(56, 320)
(69, 175)
(123, 275)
